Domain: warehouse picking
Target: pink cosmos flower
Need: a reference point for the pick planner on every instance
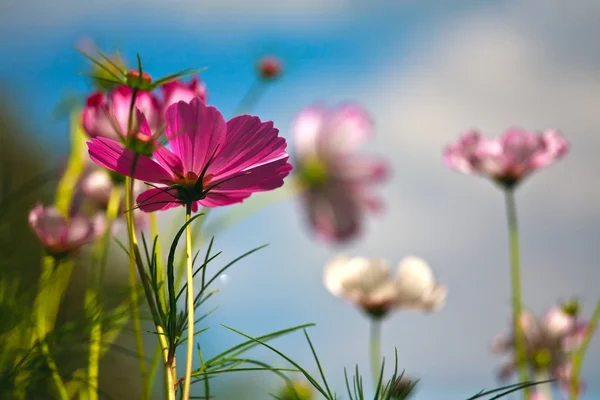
(107, 115)
(549, 342)
(211, 163)
(338, 185)
(58, 235)
(508, 158)
(176, 91)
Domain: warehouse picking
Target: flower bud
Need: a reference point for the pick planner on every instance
(269, 68)
(298, 390)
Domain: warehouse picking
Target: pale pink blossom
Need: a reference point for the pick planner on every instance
(508, 158)
(60, 236)
(338, 185)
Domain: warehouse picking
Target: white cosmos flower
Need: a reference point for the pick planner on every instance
(369, 284)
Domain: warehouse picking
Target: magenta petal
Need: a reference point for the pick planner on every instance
(216, 198)
(195, 132)
(156, 199)
(249, 143)
(114, 156)
(169, 160)
(263, 177)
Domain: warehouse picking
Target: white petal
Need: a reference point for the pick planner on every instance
(414, 279)
(356, 277)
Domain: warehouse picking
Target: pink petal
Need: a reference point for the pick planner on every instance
(267, 176)
(217, 198)
(306, 128)
(145, 102)
(195, 131)
(169, 160)
(176, 91)
(116, 157)
(248, 143)
(157, 199)
(362, 170)
(334, 212)
(460, 155)
(348, 127)
(96, 119)
(555, 147)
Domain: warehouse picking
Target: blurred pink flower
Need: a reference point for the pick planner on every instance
(508, 158)
(58, 235)
(176, 91)
(338, 185)
(269, 67)
(107, 115)
(549, 342)
(212, 162)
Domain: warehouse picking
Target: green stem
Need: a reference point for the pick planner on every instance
(580, 354)
(92, 303)
(544, 388)
(515, 277)
(135, 312)
(58, 382)
(251, 98)
(190, 304)
(375, 344)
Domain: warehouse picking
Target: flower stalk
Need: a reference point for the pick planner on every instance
(574, 389)
(515, 277)
(92, 305)
(375, 350)
(190, 303)
(135, 311)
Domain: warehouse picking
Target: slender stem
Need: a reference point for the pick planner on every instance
(169, 365)
(375, 343)
(251, 98)
(58, 382)
(190, 304)
(544, 388)
(580, 354)
(42, 331)
(515, 277)
(135, 311)
(158, 252)
(92, 294)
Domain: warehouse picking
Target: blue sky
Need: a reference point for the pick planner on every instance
(426, 72)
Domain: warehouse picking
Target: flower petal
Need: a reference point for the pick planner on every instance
(348, 127)
(249, 142)
(334, 212)
(116, 157)
(157, 199)
(195, 133)
(169, 160)
(217, 198)
(306, 128)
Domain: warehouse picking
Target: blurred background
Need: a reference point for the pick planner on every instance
(426, 71)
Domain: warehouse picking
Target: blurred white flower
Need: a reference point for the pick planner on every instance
(369, 284)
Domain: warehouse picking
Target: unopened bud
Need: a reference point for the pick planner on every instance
(269, 67)
(402, 388)
(134, 80)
